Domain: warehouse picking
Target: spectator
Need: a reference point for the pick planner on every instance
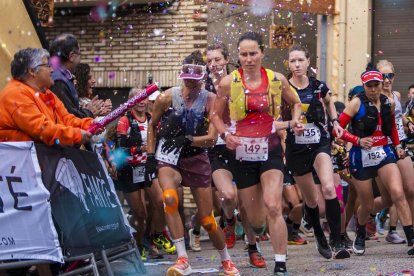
(29, 111)
(66, 55)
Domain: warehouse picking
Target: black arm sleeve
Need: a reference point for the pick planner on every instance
(62, 92)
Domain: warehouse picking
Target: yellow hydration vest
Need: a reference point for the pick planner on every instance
(238, 105)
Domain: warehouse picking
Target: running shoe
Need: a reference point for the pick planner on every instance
(195, 244)
(347, 242)
(264, 237)
(359, 245)
(154, 253)
(256, 259)
(141, 250)
(411, 251)
(371, 229)
(380, 223)
(278, 271)
(295, 239)
(229, 268)
(323, 247)
(181, 267)
(339, 251)
(230, 236)
(393, 237)
(306, 228)
(162, 242)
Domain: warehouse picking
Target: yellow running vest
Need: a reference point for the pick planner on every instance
(238, 105)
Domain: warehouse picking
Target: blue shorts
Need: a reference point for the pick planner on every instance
(364, 173)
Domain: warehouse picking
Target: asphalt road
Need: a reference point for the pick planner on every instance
(381, 258)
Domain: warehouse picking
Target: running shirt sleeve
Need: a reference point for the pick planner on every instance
(324, 89)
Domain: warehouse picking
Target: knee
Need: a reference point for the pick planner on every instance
(398, 197)
(274, 209)
(329, 191)
(209, 224)
(170, 199)
(228, 195)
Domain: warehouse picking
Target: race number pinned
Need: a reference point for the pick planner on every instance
(138, 174)
(311, 135)
(252, 149)
(373, 156)
(170, 158)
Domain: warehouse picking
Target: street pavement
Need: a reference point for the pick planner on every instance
(380, 259)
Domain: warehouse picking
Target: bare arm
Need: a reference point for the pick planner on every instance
(292, 99)
(210, 139)
(223, 94)
(160, 106)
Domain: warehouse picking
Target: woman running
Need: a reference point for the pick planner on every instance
(404, 164)
(183, 137)
(311, 152)
(371, 116)
(254, 94)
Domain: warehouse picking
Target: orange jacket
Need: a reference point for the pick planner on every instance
(27, 115)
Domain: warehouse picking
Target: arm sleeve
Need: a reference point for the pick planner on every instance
(344, 120)
(29, 119)
(71, 119)
(60, 90)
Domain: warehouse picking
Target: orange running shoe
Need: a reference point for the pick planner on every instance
(230, 236)
(295, 239)
(229, 268)
(256, 259)
(180, 268)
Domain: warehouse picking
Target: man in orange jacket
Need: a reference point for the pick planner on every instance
(29, 111)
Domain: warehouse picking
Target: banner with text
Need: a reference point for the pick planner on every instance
(85, 207)
(26, 226)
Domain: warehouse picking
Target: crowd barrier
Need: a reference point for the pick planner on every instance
(58, 204)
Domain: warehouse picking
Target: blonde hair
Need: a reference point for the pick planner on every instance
(383, 62)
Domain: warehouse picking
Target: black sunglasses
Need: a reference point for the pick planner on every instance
(389, 76)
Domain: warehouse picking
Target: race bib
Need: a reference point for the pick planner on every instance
(252, 149)
(311, 135)
(170, 158)
(373, 156)
(138, 175)
(400, 129)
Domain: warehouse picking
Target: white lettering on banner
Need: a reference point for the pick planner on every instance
(252, 149)
(373, 156)
(311, 135)
(161, 155)
(68, 176)
(27, 230)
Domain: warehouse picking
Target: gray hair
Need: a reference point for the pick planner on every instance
(134, 91)
(25, 59)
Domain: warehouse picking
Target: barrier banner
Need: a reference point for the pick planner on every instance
(26, 226)
(85, 207)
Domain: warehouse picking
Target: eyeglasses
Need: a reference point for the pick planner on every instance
(389, 76)
(77, 53)
(48, 65)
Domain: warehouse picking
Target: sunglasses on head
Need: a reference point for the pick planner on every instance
(389, 76)
(193, 69)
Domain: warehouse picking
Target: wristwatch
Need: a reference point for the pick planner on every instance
(189, 137)
(224, 134)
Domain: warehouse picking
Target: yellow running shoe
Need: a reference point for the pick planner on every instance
(165, 244)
